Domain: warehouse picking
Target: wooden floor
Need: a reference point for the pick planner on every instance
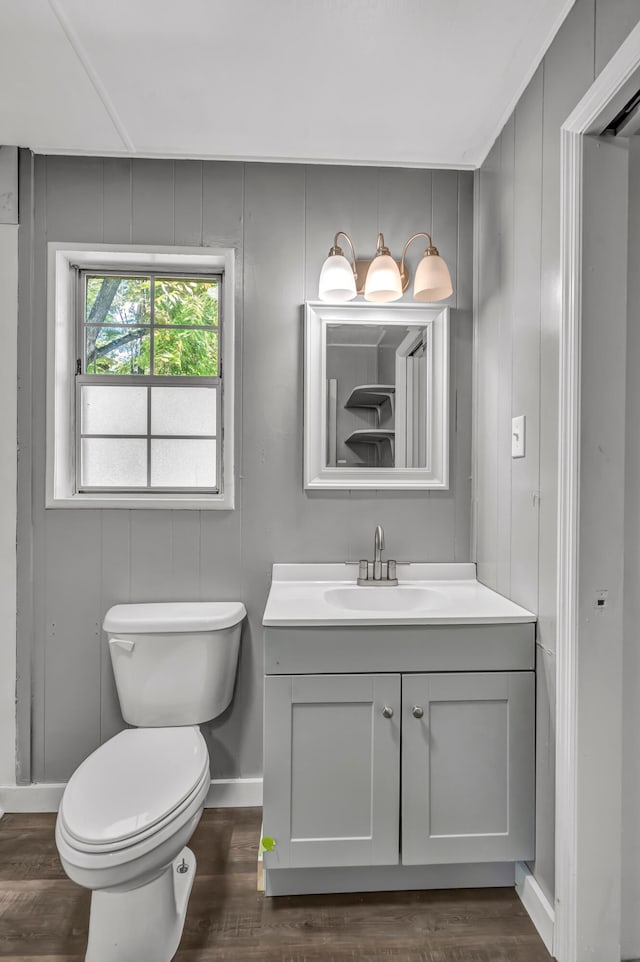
(43, 916)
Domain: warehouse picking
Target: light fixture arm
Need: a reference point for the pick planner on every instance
(336, 249)
(430, 249)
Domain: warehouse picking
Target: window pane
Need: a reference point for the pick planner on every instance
(114, 410)
(183, 463)
(116, 350)
(183, 410)
(118, 300)
(114, 463)
(183, 301)
(186, 352)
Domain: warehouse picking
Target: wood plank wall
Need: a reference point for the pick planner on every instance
(74, 564)
(518, 231)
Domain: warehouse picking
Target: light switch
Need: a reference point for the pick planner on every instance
(517, 436)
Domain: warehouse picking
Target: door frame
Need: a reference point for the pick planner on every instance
(610, 91)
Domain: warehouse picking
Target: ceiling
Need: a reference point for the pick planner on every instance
(400, 82)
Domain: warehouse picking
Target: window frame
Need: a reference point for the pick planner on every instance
(63, 383)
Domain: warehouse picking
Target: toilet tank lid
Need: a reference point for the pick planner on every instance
(173, 616)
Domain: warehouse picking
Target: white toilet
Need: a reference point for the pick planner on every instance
(129, 810)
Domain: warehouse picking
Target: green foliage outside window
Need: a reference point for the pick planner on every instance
(118, 328)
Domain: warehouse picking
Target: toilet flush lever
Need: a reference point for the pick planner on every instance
(122, 643)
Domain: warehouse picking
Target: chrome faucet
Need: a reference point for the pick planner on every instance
(382, 572)
(378, 545)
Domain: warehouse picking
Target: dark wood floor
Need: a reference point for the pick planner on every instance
(43, 916)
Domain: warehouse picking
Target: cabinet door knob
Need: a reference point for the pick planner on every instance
(387, 711)
(417, 711)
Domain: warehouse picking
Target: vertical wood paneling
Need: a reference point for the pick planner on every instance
(568, 72)
(615, 19)
(404, 209)
(445, 229)
(188, 203)
(526, 343)
(116, 197)
(115, 589)
(505, 352)
(151, 562)
(152, 201)
(36, 513)
(462, 364)
(274, 209)
(74, 206)
(517, 552)
(186, 529)
(26, 724)
(222, 204)
(488, 307)
(339, 199)
(281, 219)
(72, 640)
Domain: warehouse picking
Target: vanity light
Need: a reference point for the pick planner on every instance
(432, 281)
(383, 282)
(383, 279)
(338, 276)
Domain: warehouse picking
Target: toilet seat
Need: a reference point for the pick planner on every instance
(162, 771)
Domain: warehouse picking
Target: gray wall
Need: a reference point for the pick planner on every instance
(518, 339)
(74, 564)
(518, 225)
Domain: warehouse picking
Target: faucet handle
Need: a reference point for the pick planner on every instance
(363, 569)
(391, 571)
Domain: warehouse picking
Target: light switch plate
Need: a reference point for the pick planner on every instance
(517, 436)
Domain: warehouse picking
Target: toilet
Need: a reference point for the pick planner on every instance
(129, 810)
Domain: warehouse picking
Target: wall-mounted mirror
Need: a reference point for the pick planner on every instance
(376, 396)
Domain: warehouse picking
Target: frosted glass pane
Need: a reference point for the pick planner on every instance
(183, 410)
(114, 409)
(114, 463)
(183, 463)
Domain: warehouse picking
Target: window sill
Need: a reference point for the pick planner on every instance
(181, 502)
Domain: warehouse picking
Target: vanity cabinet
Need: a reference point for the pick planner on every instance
(424, 768)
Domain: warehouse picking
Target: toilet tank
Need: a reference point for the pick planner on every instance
(174, 662)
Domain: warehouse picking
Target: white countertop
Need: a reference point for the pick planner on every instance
(428, 594)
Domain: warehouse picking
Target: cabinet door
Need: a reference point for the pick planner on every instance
(331, 769)
(467, 767)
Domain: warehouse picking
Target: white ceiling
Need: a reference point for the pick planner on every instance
(407, 82)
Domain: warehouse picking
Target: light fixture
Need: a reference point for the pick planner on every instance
(382, 278)
(338, 276)
(432, 281)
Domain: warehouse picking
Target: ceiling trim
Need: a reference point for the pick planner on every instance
(513, 103)
(308, 161)
(100, 89)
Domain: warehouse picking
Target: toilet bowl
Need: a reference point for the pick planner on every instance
(130, 808)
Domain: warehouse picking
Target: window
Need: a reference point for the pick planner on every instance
(148, 386)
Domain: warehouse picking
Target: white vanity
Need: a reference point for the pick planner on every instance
(398, 730)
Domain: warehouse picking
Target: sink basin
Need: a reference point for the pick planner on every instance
(428, 593)
(382, 598)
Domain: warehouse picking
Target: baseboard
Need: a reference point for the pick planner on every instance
(234, 793)
(536, 903)
(45, 796)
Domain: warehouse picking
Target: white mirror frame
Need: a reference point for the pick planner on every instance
(318, 316)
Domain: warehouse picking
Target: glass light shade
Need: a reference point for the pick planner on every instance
(337, 280)
(383, 281)
(432, 281)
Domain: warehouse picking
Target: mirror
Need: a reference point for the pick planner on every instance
(376, 396)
